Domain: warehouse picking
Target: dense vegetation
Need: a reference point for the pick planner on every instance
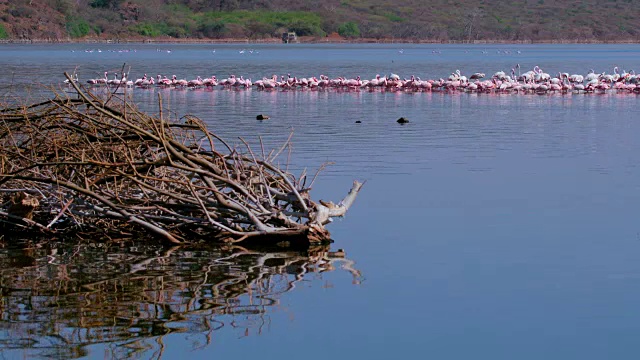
(3, 32)
(432, 20)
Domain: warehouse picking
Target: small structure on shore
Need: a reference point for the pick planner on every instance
(289, 37)
(97, 167)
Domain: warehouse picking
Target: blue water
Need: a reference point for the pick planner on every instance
(490, 226)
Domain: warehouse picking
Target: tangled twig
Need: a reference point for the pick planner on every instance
(104, 166)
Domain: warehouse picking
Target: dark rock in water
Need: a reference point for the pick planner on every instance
(402, 120)
(358, 122)
(262, 117)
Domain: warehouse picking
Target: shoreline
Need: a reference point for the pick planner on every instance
(307, 40)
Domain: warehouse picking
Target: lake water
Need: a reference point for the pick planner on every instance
(490, 226)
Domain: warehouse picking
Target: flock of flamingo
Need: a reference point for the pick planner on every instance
(533, 81)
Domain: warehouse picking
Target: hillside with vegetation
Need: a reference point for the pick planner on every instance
(356, 20)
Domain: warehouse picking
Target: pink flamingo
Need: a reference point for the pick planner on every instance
(115, 81)
(102, 80)
(195, 83)
(138, 82)
(210, 82)
(147, 83)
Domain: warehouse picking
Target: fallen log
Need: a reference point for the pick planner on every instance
(98, 166)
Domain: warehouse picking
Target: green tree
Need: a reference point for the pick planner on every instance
(349, 30)
(257, 29)
(147, 29)
(3, 32)
(106, 4)
(77, 27)
(211, 28)
(306, 28)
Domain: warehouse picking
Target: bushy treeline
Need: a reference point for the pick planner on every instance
(580, 20)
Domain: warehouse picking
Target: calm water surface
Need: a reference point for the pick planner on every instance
(491, 226)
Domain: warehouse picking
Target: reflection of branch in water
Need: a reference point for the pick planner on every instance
(56, 301)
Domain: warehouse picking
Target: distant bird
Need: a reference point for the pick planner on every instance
(74, 77)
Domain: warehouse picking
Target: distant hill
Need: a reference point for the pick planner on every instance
(410, 20)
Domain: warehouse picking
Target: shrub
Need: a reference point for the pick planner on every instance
(305, 28)
(77, 28)
(393, 17)
(257, 29)
(106, 4)
(212, 28)
(3, 32)
(147, 29)
(349, 30)
(22, 12)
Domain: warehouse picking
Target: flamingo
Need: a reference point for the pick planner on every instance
(591, 76)
(178, 82)
(115, 81)
(74, 78)
(125, 81)
(139, 82)
(499, 75)
(210, 82)
(576, 79)
(147, 82)
(102, 81)
(195, 82)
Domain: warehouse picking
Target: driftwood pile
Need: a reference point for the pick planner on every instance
(98, 166)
